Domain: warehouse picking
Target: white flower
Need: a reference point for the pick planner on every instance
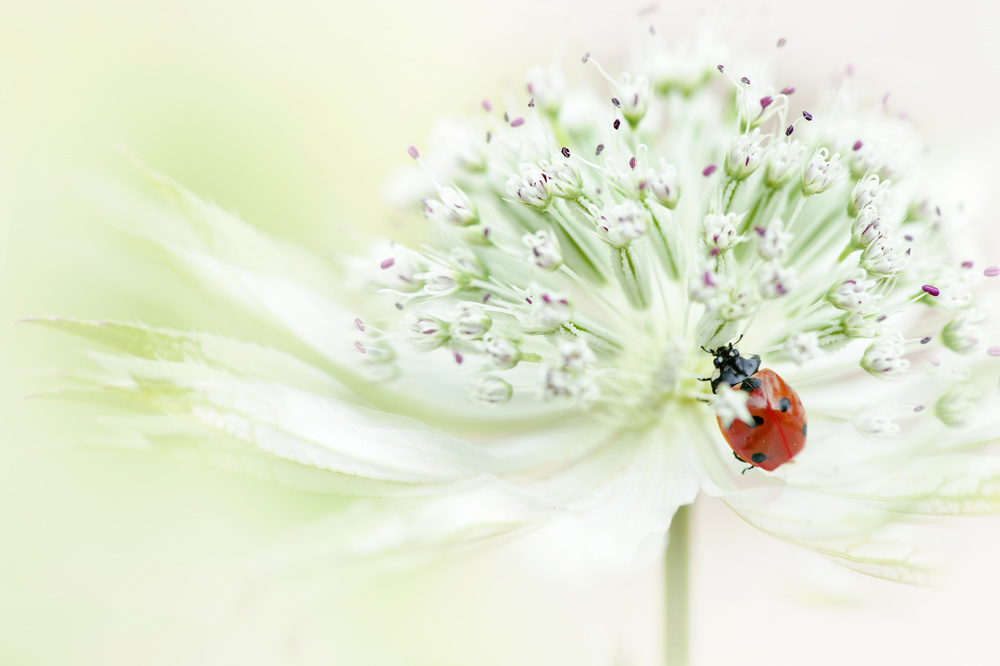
(544, 369)
(745, 154)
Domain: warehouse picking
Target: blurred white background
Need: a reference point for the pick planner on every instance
(294, 114)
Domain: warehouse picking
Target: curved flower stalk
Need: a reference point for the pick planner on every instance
(534, 362)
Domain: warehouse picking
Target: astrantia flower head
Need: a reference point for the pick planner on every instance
(536, 356)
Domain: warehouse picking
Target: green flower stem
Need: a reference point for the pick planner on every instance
(676, 579)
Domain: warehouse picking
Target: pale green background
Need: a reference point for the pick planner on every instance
(294, 114)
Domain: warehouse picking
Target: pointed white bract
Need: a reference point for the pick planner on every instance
(541, 346)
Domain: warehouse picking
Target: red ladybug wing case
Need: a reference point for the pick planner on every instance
(780, 432)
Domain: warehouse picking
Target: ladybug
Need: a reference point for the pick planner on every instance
(779, 430)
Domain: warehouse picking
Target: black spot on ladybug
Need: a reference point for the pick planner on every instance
(750, 384)
(758, 458)
(784, 404)
(805, 426)
(757, 421)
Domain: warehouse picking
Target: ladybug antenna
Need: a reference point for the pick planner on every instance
(705, 350)
(733, 344)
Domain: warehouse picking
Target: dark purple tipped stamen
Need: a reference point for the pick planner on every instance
(413, 152)
(399, 306)
(458, 358)
(600, 147)
(531, 103)
(709, 170)
(616, 124)
(857, 145)
(745, 81)
(919, 408)
(360, 347)
(789, 130)
(358, 324)
(489, 137)
(766, 102)
(586, 57)
(517, 122)
(632, 163)
(924, 341)
(807, 115)
(565, 151)
(966, 264)
(931, 289)
(506, 117)
(387, 263)
(721, 68)
(614, 100)
(788, 90)
(782, 42)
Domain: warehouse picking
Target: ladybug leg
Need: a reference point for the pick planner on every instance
(746, 470)
(737, 456)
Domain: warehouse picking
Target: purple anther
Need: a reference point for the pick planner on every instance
(924, 341)
(616, 124)
(632, 163)
(934, 360)
(614, 100)
(857, 145)
(414, 153)
(565, 151)
(782, 42)
(919, 408)
(358, 324)
(721, 68)
(991, 271)
(759, 230)
(745, 81)
(586, 57)
(642, 186)
(993, 351)
(517, 122)
(908, 238)
(487, 296)
(399, 306)
(807, 115)
(360, 347)
(966, 264)
(506, 117)
(789, 130)
(458, 358)
(709, 170)
(387, 263)
(788, 90)
(600, 147)
(489, 107)
(931, 289)
(527, 300)
(531, 103)
(489, 137)
(766, 101)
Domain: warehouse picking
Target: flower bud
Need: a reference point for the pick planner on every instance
(492, 391)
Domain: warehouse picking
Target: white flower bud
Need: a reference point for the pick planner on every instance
(471, 321)
(634, 96)
(737, 304)
(492, 391)
(543, 250)
(563, 177)
(802, 347)
(821, 173)
(442, 281)
(662, 186)
(963, 333)
(877, 420)
(620, 224)
(425, 332)
(398, 267)
(870, 225)
(719, 231)
(868, 192)
(881, 260)
(783, 161)
(775, 281)
(857, 325)
(957, 407)
(744, 156)
(731, 405)
(503, 354)
(559, 383)
(548, 310)
(453, 208)
(531, 187)
(576, 355)
(852, 295)
(704, 285)
(466, 261)
(884, 358)
(773, 241)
